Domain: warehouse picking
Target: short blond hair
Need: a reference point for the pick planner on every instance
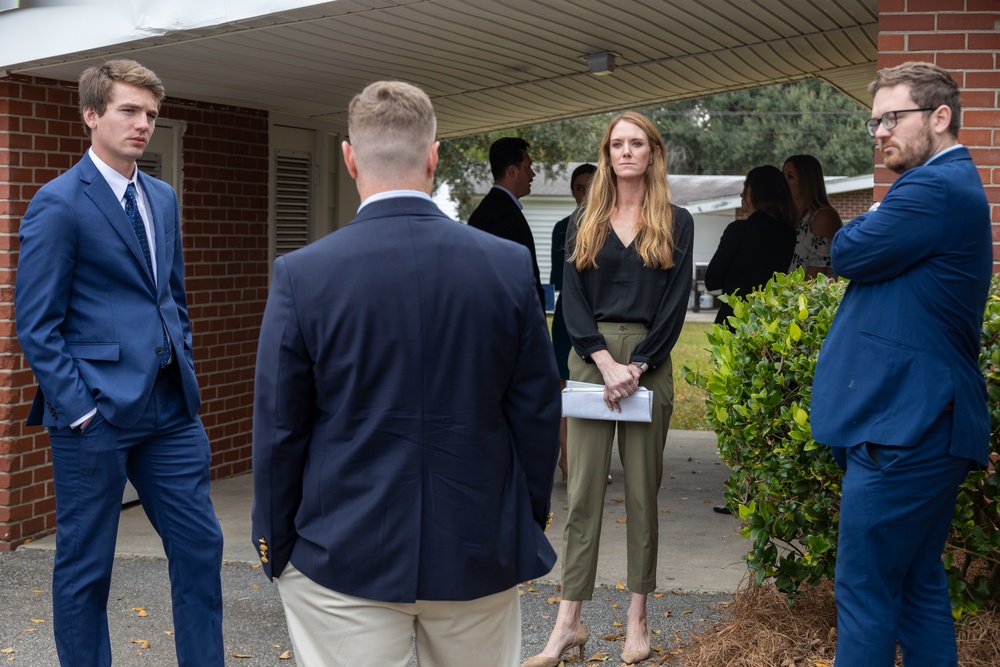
(97, 82)
(390, 126)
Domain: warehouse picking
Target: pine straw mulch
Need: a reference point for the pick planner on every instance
(758, 629)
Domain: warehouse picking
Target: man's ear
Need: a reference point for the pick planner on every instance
(432, 158)
(941, 119)
(352, 167)
(90, 117)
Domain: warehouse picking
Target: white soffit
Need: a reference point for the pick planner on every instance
(487, 64)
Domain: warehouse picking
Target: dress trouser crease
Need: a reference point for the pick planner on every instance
(589, 444)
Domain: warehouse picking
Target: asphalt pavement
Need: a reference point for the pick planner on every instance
(699, 567)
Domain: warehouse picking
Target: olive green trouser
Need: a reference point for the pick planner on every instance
(588, 453)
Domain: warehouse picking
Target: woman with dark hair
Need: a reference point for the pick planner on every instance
(626, 284)
(818, 221)
(578, 184)
(752, 250)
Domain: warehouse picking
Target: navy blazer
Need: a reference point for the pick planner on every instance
(89, 317)
(904, 343)
(499, 215)
(406, 412)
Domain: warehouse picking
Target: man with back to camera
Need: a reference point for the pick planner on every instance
(499, 213)
(406, 418)
(898, 391)
(102, 320)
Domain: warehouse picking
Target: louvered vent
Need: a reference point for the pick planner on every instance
(292, 202)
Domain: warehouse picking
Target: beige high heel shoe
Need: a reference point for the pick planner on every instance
(580, 641)
(632, 657)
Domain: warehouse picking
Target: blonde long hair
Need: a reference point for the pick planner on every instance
(655, 238)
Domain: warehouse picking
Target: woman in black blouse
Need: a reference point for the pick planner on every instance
(625, 290)
(752, 250)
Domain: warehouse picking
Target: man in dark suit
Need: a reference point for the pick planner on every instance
(102, 320)
(499, 213)
(898, 391)
(406, 419)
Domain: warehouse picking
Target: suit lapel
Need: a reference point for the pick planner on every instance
(103, 196)
(155, 207)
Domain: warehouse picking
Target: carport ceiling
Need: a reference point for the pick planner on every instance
(495, 64)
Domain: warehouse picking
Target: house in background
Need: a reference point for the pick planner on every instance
(714, 202)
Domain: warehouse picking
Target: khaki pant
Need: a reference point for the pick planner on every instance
(330, 629)
(588, 453)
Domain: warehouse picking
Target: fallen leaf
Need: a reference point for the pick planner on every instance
(617, 500)
(531, 590)
(143, 643)
(37, 592)
(140, 611)
(255, 586)
(9, 649)
(599, 657)
(37, 620)
(657, 595)
(621, 520)
(287, 655)
(619, 585)
(554, 600)
(520, 593)
(616, 624)
(687, 611)
(667, 613)
(616, 606)
(241, 655)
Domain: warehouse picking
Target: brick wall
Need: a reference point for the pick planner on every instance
(962, 36)
(225, 155)
(851, 204)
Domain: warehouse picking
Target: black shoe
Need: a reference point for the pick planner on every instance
(722, 509)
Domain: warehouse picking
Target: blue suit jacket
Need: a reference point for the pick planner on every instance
(904, 344)
(89, 318)
(406, 414)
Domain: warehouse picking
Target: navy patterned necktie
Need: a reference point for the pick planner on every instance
(134, 217)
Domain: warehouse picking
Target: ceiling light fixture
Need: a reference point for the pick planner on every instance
(600, 64)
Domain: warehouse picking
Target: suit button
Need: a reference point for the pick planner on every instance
(621, 327)
(159, 350)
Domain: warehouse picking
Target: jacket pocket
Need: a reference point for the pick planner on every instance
(95, 351)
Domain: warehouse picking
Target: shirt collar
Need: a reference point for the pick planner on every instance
(947, 150)
(517, 201)
(393, 194)
(117, 182)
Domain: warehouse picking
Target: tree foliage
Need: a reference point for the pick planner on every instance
(725, 134)
(786, 486)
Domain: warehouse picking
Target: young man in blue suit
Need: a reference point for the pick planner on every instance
(898, 391)
(102, 320)
(406, 419)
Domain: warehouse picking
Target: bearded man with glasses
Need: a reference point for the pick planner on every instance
(898, 392)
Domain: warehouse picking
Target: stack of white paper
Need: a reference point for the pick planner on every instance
(585, 400)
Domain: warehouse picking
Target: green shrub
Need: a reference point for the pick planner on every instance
(784, 485)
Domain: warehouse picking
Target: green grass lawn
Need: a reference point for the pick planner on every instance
(691, 350)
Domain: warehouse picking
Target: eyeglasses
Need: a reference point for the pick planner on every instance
(889, 119)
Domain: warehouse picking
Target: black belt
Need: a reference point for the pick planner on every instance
(162, 370)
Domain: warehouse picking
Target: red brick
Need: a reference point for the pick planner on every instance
(983, 99)
(985, 80)
(985, 41)
(967, 60)
(936, 41)
(981, 118)
(890, 41)
(935, 5)
(966, 21)
(905, 22)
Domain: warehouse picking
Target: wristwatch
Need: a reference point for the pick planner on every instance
(641, 366)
